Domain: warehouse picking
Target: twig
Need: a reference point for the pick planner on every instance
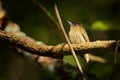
(97, 58)
(68, 41)
(116, 51)
(48, 14)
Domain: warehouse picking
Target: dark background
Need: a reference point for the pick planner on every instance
(100, 17)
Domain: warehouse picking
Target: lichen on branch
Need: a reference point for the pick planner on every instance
(31, 46)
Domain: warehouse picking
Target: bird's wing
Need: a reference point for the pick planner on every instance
(85, 36)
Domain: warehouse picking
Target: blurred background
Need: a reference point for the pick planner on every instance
(100, 17)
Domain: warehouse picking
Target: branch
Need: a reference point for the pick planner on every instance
(58, 50)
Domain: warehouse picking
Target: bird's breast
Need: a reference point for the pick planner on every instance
(76, 36)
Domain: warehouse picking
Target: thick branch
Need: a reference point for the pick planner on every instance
(58, 50)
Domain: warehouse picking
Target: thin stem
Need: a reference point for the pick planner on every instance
(47, 13)
(116, 51)
(68, 41)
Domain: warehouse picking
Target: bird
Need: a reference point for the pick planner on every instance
(78, 35)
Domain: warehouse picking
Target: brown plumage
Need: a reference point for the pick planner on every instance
(78, 35)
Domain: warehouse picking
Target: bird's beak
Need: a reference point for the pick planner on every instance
(70, 23)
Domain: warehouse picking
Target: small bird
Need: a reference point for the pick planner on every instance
(78, 35)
